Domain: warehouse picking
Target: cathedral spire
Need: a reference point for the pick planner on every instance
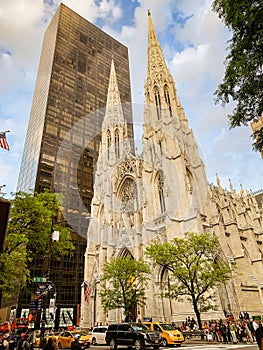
(114, 139)
(114, 112)
(160, 87)
(156, 60)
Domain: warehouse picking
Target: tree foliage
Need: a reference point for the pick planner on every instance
(30, 228)
(243, 80)
(195, 269)
(124, 284)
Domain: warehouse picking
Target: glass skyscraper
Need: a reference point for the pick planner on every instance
(63, 134)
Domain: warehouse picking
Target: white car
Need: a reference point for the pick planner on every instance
(98, 335)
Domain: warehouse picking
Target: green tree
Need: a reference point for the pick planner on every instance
(195, 268)
(31, 224)
(243, 80)
(123, 284)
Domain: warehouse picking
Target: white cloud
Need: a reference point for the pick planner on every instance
(234, 159)
(87, 8)
(107, 8)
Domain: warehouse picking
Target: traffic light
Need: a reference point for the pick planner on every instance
(32, 317)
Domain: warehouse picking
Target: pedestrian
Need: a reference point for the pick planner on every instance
(192, 324)
(259, 337)
(228, 333)
(75, 345)
(25, 344)
(42, 343)
(5, 342)
(49, 345)
(255, 325)
(233, 331)
(19, 343)
(251, 329)
(223, 331)
(55, 343)
(239, 331)
(231, 317)
(215, 331)
(12, 342)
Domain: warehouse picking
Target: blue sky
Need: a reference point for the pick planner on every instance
(194, 44)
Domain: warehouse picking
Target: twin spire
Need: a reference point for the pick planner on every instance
(158, 77)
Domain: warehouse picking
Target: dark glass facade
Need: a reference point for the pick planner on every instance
(64, 130)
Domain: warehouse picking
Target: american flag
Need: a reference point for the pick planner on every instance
(87, 291)
(3, 142)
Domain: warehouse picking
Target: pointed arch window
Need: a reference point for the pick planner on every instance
(108, 143)
(160, 184)
(167, 99)
(129, 196)
(157, 99)
(126, 254)
(164, 278)
(117, 144)
(128, 200)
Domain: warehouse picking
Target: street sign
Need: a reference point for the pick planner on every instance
(39, 279)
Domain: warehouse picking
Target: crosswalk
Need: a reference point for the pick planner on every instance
(212, 347)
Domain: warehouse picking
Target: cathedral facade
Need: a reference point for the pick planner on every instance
(161, 194)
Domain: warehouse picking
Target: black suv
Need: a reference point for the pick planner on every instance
(133, 335)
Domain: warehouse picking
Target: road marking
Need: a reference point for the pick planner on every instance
(213, 347)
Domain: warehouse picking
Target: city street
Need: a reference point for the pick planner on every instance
(219, 346)
(195, 346)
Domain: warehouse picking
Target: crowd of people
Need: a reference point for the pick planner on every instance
(231, 331)
(242, 330)
(15, 341)
(24, 341)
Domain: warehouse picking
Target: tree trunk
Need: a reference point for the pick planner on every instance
(198, 315)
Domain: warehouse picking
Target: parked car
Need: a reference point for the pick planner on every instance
(98, 335)
(132, 334)
(67, 337)
(170, 335)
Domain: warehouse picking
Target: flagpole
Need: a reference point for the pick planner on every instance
(4, 132)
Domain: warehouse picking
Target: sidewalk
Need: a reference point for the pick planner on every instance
(198, 341)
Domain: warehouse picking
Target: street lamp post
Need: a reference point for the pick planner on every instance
(49, 285)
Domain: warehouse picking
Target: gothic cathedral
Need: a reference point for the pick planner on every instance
(163, 193)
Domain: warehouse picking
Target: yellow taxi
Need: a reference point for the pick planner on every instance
(170, 335)
(65, 338)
